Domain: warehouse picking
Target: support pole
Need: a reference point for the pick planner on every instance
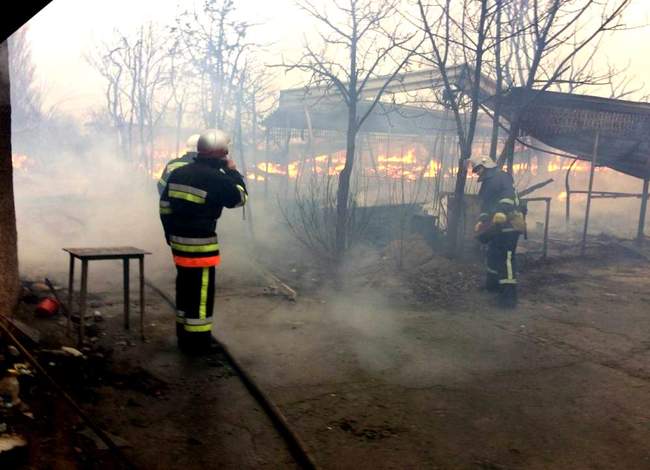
(547, 220)
(594, 158)
(567, 189)
(644, 206)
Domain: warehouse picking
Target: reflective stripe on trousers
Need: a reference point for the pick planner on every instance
(501, 257)
(195, 298)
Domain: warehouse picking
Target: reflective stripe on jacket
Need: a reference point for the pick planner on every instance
(192, 201)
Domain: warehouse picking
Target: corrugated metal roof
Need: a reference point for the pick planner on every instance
(570, 122)
(386, 118)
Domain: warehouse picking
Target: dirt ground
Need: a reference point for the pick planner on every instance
(562, 382)
(369, 380)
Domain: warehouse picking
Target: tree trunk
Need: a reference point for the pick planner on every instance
(456, 213)
(343, 192)
(8, 239)
(499, 83)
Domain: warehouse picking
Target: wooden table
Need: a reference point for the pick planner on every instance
(124, 253)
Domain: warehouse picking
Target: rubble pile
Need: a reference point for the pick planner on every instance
(30, 411)
(16, 380)
(414, 269)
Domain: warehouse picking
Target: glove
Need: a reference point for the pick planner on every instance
(499, 218)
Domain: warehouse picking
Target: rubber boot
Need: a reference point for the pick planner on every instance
(181, 338)
(508, 296)
(199, 344)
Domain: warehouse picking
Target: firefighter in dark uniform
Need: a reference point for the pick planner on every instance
(191, 203)
(499, 226)
(188, 157)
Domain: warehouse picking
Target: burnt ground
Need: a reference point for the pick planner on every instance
(369, 380)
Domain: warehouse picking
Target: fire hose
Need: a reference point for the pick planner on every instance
(295, 445)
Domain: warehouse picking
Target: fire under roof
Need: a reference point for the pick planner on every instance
(570, 123)
(564, 121)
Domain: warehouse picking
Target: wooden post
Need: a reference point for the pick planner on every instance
(644, 206)
(594, 158)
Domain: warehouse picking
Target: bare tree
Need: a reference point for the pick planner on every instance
(216, 44)
(138, 72)
(458, 33)
(374, 52)
(26, 95)
(551, 39)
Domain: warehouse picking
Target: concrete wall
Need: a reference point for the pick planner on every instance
(8, 249)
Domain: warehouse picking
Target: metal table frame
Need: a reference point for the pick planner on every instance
(124, 253)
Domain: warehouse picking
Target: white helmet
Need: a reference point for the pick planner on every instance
(213, 142)
(190, 146)
(481, 160)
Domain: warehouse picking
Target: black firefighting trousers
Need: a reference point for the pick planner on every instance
(194, 306)
(501, 261)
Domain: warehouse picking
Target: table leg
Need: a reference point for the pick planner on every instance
(142, 304)
(70, 294)
(82, 299)
(125, 263)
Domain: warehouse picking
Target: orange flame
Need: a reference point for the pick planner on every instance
(21, 162)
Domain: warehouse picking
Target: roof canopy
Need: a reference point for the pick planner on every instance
(571, 122)
(386, 118)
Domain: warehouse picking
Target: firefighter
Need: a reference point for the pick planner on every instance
(188, 156)
(499, 226)
(191, 203)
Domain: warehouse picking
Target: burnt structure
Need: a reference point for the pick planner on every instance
(606, 132)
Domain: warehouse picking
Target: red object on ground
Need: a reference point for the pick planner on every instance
(47, 307)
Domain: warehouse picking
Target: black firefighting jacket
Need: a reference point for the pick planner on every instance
(171, 166)
(190, 205)
(497, 193)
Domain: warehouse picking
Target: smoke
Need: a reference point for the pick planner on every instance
(92, 198)
(89, 200)
(615, 217)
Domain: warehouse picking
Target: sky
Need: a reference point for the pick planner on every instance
(67, 30)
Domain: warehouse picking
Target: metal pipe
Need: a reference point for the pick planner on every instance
(594, 158)
(294, 443)
(567, 189)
